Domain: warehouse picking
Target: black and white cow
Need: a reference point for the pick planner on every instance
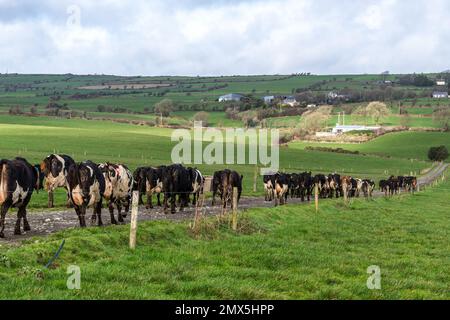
(224, 183)
(139, 177)
(198, 182)
(55, 168)
(334, 182)
(18, 180)
(268, 187)
(154, 184)
(118, 188)
(367, 188)
(86, 186)
(281, 188)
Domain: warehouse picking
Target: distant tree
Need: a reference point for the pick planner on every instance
(405, 119)
(164, 107)
(441, 116)
(33, 110)
(101, 108)
(313, 121)
(438, 153)
(203, 117)
(377, 110)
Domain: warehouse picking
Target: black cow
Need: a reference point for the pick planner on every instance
(176, 181)
(18, 180)
(55, 168)
(393, 185)
(139, 177)
(306, 182)
(384, 187)
(86, 188)
(295, 185)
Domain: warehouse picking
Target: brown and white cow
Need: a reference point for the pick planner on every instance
(118, 188)
(55, 168)
(18, 180)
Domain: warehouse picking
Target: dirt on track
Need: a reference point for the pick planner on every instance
(45, 223)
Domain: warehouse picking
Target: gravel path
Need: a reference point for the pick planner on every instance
(45, 223)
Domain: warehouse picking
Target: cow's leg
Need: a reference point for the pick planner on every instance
(98, 211)
(173, 199)
(111, 211)
(82, 216)
(158, 197)
(213, 198)
(127, 207)
(194, 198)
(149, 200)
(4, 209)
(119, 211)
(17, 231)
(50, 203)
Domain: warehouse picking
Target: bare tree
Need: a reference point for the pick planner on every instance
(377, 110)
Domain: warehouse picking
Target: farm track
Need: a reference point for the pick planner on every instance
(46, 223)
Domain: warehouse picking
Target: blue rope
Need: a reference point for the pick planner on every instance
(56, 254)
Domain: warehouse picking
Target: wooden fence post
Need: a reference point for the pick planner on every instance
(344, 189)
(235, 209)
(198, 211)
(316, 196)
(134, 219)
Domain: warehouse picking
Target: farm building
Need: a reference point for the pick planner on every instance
(231, 97)
(268, 99)
(440, 94)
(290, 101)
(441, 83)
(349, 128)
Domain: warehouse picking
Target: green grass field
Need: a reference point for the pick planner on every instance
(287, 252)
(409, 145)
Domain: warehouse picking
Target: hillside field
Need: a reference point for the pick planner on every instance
(101, 141)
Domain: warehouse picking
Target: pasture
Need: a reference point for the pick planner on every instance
(101, 141)
(288, 252)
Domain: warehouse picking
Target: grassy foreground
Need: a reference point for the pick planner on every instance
(284, 253)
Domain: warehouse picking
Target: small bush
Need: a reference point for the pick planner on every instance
(438, 153)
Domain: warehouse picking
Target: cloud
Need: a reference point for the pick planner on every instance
(223, 37)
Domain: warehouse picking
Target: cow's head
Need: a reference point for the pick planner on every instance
(86, 180)
(52, 165)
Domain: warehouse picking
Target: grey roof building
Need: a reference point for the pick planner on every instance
(231, 97)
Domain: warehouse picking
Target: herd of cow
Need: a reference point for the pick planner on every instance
(280, 186)
(88, 184)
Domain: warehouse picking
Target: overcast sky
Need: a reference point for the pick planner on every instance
(199, 37)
